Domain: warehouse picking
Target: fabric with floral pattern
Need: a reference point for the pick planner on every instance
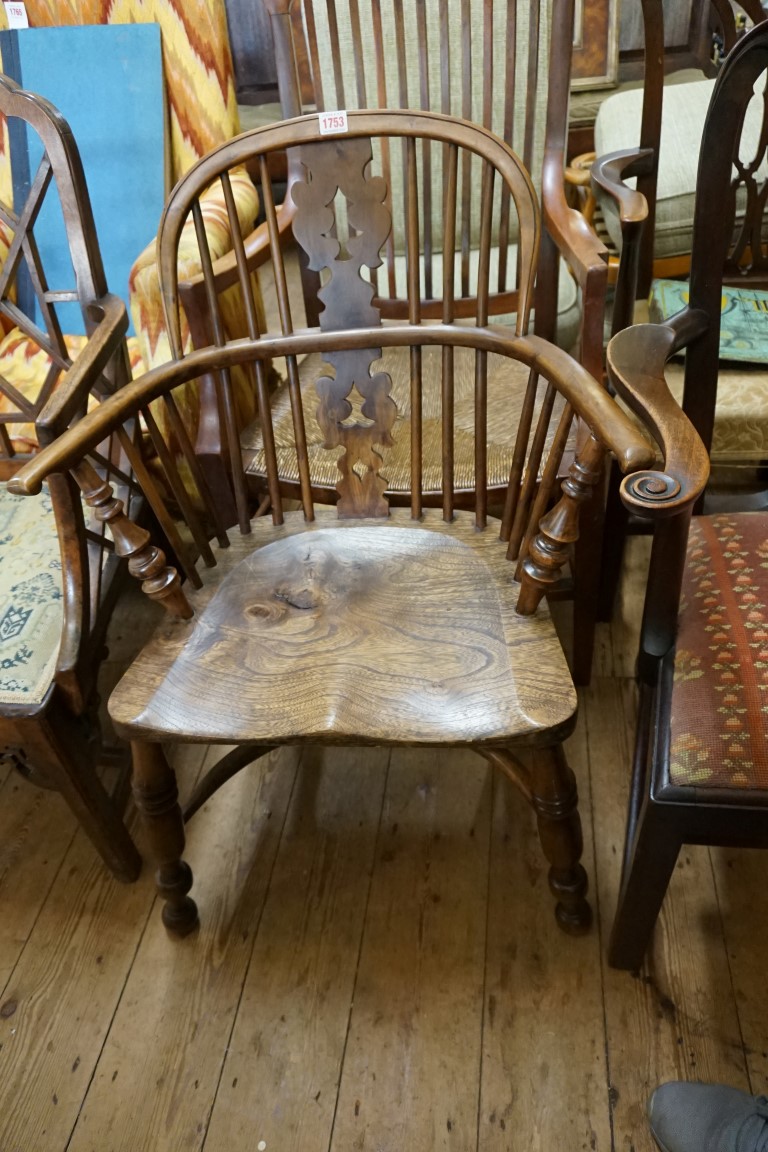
(719, 717)
(31, 607)
(24, 364)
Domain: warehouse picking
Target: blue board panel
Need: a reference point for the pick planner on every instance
(106, 80)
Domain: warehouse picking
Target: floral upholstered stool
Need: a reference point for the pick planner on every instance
(701, 777)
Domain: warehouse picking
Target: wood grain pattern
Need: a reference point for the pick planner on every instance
(532, 1077)
(413, 1053)
(77, 957)
(281, 1074)
(35, 835)
(172, 1067)
(677, 1017)
(534, 988)
(741, 881)
(399, 601)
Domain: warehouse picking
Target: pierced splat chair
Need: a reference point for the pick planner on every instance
(700, 771)
(57, 572)
(366, 623)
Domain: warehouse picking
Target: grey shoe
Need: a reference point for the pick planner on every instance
(708, 1118)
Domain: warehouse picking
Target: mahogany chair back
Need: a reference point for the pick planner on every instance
(58, 569)
(638, 207)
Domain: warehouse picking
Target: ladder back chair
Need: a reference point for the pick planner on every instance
(700, 774)
(58, 570)
(503, 64)
(366, 623)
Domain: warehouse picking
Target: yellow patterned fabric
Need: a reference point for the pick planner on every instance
(146, 307)
(741, 429)
(197, 62)
(24, 364)
(199, 81)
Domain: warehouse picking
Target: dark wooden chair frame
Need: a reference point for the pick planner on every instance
(663, 817)
(56, 743)
(636, 208)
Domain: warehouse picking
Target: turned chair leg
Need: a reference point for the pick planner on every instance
(555, 802)
(157, 799)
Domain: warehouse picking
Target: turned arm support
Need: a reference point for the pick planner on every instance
(145, 561)
(636, 359)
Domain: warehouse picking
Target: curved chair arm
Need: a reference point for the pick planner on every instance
(608, 174)
(636, 360)
(71, 396)
(579, 245)
(589, 399)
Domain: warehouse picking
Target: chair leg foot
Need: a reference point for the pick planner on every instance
(572, 911)
(179, 911)
(555, 801)
(157, 799)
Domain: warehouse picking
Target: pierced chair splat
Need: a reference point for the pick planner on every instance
(368, 623)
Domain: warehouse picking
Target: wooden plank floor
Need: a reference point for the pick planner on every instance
(378, 966)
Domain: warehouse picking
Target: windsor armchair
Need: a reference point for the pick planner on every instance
(365, 623)
(57, 570)
(700, 773)
(504, 64)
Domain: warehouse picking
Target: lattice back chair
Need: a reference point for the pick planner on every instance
(366, 622)
(57, 570)
(701, 764)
